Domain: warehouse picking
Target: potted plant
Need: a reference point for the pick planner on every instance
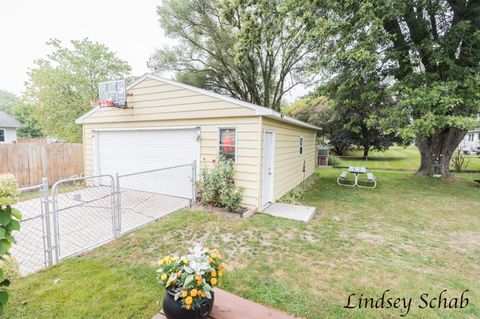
(189, 281)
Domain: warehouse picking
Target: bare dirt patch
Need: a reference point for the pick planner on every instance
(371, 238)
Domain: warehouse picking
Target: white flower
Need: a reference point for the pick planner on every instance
(199, 262)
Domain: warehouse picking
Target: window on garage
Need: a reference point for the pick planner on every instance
(2, 136)
(228, 143)
(301, 145)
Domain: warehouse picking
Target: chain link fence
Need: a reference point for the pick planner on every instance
(30, 249)
(82, 213)
(146, 196)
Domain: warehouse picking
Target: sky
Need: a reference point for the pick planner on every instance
(129, 28)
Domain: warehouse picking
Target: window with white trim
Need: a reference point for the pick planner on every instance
(227, 146)
(2, 136)
(471, 137)
(301, 145)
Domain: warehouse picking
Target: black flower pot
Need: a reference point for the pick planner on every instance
(174, 310)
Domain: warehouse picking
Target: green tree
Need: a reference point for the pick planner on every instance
(431, 49)
(23, 112)
(363, 104)
(7, 100)
(61, 85)
(255, 51)
(320, 111)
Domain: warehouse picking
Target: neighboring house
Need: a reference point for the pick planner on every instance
(8, 128)
(169, 123)
(471, 142)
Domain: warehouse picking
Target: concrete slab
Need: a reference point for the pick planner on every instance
(295, 212)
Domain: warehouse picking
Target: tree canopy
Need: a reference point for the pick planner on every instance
(61, 85)
(431, 51)
(255, 51)
(7, 100)
(23, 112)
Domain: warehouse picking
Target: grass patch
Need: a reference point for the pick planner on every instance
(397, 157)
(410, 235)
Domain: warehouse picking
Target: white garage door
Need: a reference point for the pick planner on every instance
(132, 151)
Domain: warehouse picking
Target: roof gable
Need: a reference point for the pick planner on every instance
(258, 110)
(8, 121)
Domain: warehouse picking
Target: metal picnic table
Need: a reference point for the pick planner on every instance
(357, 171)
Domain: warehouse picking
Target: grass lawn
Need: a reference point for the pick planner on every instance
(397, 157)
(410, 235)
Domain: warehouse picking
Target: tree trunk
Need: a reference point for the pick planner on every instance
(366, 149)
(436, 151)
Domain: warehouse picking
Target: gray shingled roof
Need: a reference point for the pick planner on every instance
(7, 121)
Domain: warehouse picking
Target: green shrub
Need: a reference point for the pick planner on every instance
(295, 194)
(334, 160)
(217, 186)
(10, 267)
(9, 222)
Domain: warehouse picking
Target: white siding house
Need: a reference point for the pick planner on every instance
(471, 142)
(8, 128)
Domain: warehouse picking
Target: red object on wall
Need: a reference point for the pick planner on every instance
(227, 144)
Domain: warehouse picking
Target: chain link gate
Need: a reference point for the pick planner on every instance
(84, 214)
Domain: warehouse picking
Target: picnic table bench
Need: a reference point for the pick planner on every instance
(230, 306)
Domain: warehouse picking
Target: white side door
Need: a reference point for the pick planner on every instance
(268, 167)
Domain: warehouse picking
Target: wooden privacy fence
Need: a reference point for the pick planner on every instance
(31, 162)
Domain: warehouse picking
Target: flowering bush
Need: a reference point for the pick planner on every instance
(9, 222)
(192, 277)
(217, 185)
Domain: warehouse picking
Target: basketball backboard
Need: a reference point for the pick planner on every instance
(114, 91)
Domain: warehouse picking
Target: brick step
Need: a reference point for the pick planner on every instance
(230, 306)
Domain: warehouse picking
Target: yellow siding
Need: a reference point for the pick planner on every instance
(155, 100)
(288, 161)
(247, 149)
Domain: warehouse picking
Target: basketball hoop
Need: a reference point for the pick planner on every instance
(102, 103)
(111, 94)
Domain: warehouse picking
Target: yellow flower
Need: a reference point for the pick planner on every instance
(184, 294)
(164, 277)
(188, 300)
(185, 261)
(202, 294)
(193, 292)
(220, 273)
(214, 274)
(214, 281)
(168, 283)
(212, 261)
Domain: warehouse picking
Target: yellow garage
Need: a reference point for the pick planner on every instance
(169, 123)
